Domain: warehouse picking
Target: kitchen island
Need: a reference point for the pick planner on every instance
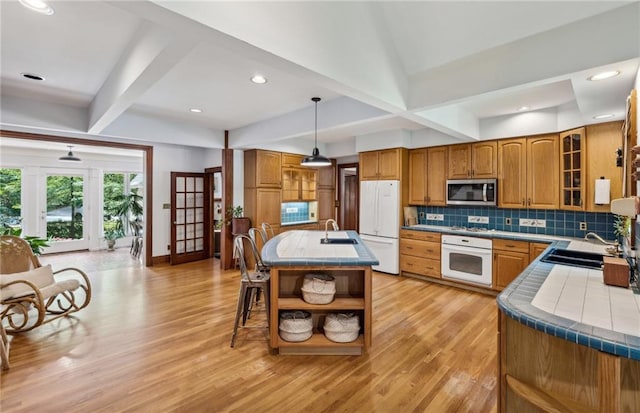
(292, 255)
(567, 341)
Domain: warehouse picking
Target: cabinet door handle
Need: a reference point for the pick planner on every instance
(510, 246)
(529, 202)
(522, 201)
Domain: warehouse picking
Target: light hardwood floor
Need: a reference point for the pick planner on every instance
(157, 340)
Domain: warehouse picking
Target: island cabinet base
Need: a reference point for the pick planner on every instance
(353, 295)
(540, 372)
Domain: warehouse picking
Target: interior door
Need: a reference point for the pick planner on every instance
(63, 212)
(189, 212)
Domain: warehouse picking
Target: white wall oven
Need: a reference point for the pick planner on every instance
(467, 259)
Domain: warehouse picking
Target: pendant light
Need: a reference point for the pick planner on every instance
(315, 159)
(70, 157)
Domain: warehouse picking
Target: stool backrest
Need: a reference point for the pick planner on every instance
(268, 231)
(248, 255)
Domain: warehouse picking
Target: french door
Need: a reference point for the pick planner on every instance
(189, 216)
(63, 212)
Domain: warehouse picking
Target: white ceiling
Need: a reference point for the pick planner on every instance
(130, 69)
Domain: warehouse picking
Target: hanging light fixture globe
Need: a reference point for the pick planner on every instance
(315, 160)
(70, 157)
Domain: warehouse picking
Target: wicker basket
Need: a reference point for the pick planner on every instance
(318, 288)
(295, 325)
(342, 327)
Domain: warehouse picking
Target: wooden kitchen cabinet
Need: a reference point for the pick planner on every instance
(601, 142)
(298, 184)
(436, 177)
(263, 205)
(262, 169)
(477, 160)
(327, 176)
(527, 172)
(291, 159)
(427, 177)
(420, 253)
(510, 258)
(535, 249)
(542, 172)
(418, 176)
(381, 165)
(326, 205)
(572, 167)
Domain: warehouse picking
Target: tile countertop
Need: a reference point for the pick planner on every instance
(293, 248)
(569, 302)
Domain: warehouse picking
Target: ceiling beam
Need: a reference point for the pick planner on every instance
(149, 56)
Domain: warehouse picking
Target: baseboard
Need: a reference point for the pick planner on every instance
(162, 259)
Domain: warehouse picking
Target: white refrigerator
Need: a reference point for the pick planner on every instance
(380, 222)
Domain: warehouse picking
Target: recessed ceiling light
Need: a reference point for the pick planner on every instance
(604, 75)
(195, 110)
(604, 116)
(32, 76)
(523, 108)
(38, 5)
(259, 79)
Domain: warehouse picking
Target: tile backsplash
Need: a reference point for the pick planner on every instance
(294, 212)
(560, 223)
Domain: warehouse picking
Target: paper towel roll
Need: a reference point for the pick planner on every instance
(603, 192)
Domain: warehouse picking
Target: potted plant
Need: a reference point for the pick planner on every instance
(239, 223)
(111, 235)
(36, 243)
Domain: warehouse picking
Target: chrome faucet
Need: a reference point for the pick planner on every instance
(326, 227)
(599, 238)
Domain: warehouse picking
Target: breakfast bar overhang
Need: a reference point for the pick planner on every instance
(292, 255)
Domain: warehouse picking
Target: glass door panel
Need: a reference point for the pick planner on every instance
(64, 212)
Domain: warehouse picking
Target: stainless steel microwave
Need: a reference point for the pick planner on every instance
(471, 192)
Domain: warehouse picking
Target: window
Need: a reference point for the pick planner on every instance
(10, 196)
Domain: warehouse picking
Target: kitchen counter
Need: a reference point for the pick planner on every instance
(304, 248)
(567, 339)
(294, 254)
(492, 233)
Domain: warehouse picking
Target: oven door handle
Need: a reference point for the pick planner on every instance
(462, 248)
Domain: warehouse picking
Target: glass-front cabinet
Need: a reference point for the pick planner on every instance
(572, 158)
(299, 184)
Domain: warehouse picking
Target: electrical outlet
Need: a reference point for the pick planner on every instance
(507, 221)
(168, 247)
(431, 217)
(477, 220)
(439, 217)
(421, 215)
(583, 226)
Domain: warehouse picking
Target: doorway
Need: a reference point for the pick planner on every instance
(63, 215)
(348, 196)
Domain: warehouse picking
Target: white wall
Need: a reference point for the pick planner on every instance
(522, 124)
(399, 138)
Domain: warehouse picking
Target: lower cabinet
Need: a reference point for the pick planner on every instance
(420, 253)
(510, 258)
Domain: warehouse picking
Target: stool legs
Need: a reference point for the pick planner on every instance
(246, 299)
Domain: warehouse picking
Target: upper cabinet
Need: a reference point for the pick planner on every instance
(477, 160)
(418, 176)
(528, 172)
(291, 159)
(381, 165)
(327, 176)
(262, 169)
(602, 141)
(436, 177)
(427, 177)
(542, 172)
(298, 184)
(572, 161)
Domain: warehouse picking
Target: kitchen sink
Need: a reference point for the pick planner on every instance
(338, 241)
(574, 258)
